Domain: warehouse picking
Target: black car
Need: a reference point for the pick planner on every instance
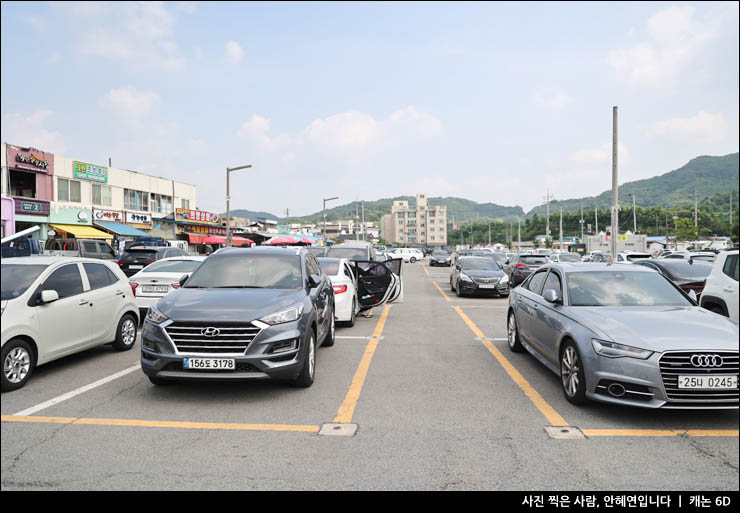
(440, 257)
(686, 274)
(245, 313)
(479, 275)
(137, 257)
(520, 266)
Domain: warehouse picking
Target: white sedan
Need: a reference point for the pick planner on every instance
(343, 276)
(58, 306)
(162, 277)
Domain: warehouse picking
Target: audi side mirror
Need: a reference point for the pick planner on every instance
(552, 296)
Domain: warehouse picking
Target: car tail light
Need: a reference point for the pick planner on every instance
(340, 289)
(121, 263)
(133, 286)
(175, 285)
(521, 266)
(150, 262)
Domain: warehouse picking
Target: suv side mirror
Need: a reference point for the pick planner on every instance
(552, 296)
(49, 296)
(183, 279)
(314, 280)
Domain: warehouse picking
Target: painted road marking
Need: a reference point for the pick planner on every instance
(548, 411)
(441, 291)
(363, 338)
(73, 393)
(425, 270)
(660, 432)
(160, 424)
(347, 408)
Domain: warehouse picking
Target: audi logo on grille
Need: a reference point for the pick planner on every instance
(706, 360)
(210, 332)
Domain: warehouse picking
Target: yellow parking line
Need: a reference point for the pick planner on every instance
(347, 408)
(426, 271)
(548, 411)
(660, 432)
(441, 291)
(162, 424)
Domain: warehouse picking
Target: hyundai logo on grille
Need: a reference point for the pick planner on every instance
(210, 332)
(706, 360)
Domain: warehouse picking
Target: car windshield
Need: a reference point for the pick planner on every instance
(17, 278)
(351, 253)
(686, 269)
(529, 260)
(173, 266)
(569, 257)
(330, 266)
(619, 288)
(704, 258)
(439, 254)
(241, 270)
(635, 258)
(480, 264)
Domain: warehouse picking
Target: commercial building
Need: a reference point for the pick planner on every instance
(70, 197)
(417, 224)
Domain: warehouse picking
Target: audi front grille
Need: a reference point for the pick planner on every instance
(699, 363)
(212, 338)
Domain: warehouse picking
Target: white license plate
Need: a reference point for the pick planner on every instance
(487, 285)
(135, 266)
(209, 363)
(708, 382)
(155, 288)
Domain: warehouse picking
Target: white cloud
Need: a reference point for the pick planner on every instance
(676, 40)
(552, 99)
(188, 7)
(601, 155)
(233, 51)
(32, 130)
(704, 125)
(128, 103)
(255, 131)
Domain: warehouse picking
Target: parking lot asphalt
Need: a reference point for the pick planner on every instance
(426, 392)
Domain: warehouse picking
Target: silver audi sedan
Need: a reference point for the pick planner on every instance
(624, 334)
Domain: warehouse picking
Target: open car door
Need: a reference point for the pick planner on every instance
(377, 283)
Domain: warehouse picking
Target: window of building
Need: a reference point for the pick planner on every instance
(101, 195)
(159, 203)
(135, 200)
(185, 204)
(22, 184)
(69, 190)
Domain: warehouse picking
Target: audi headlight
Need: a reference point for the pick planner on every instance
(614, 350)
(465, 277)
(155, 316)
(289, 315)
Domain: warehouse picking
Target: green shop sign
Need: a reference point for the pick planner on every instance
(27, 206)
(91, 172)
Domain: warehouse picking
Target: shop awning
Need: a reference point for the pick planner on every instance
(82, 232)
(120, 229)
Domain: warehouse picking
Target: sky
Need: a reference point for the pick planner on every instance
(494, 102)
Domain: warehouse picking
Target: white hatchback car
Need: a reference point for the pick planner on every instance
(343, 276)
(720, 294)
(58, 306)
(408, 254)
(160, 278)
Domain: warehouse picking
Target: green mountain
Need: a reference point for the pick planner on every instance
(251, 214)
(708, 176)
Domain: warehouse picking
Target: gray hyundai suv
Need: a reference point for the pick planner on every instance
(243, 314)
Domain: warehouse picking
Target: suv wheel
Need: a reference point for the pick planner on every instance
(18, 364)
(329, 339)
(305, 378)
(413, 260)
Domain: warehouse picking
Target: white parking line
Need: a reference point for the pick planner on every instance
(364, 338)
(73, 393)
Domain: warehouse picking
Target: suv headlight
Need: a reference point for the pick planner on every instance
(614, 350)
(289, 315)
(505, 279)
(155, 316)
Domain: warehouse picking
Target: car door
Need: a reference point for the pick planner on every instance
(547, 319)
(376, 283)
(320, 295)
(527, 306)
(105, 251)
(105, 301)
(89, 249)
(64, 324)
(395, 267)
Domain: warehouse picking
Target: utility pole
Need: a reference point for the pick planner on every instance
(228, 202)
(596, 220)
(489, 234)
(364, 235)
(547, 227)
(323, 232)
(696, 215)
(634, 214)
(581, 222)
(615, 188)
(519, 236)
(730, 210)
(561, 229)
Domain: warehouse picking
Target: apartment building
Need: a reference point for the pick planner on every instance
(417, 224)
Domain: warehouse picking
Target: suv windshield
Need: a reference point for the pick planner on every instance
(240, 270)
(17, 278)
(617, 288)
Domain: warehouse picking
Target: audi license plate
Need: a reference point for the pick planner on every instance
(209, 363)
(708, 382)
(155, 288)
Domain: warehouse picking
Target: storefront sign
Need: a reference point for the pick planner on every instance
(30, 159)
(108, 215)
(90, 172)
(39, 208)
(134, 218)
(197, 216)
(208, 230)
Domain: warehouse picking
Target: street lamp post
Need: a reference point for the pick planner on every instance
(228, 202)
(324, 217)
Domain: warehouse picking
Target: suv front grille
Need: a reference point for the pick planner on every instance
(212, 338)
(673, 365)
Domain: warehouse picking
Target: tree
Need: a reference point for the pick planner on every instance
(548, 242)
(685, 229)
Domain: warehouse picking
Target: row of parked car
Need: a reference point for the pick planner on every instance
(237, 314)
